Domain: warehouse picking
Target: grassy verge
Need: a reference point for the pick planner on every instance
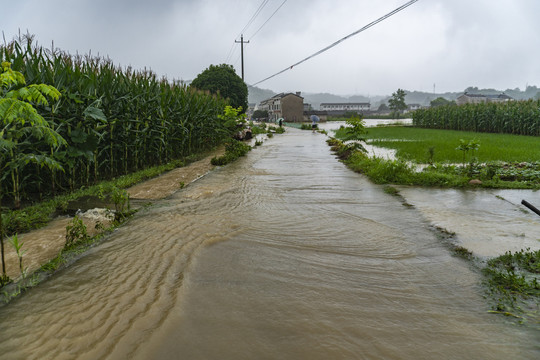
(38, 215)
(453, 158)
(233, 150)
(263, 128)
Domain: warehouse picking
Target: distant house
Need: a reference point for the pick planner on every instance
(467, 98)
(343, 107)
(288, 106)
(412, 107)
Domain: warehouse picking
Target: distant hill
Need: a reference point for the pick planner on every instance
(256, 95)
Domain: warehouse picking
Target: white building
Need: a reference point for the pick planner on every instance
(358, 107)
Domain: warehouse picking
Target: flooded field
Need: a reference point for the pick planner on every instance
(285, 254)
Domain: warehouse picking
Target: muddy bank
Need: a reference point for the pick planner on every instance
(42, 245)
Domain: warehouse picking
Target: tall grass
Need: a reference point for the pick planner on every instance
(115, 120)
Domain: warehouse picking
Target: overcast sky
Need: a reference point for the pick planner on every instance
(449, 44)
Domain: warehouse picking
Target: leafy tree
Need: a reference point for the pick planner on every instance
(440, 101)
(356, 129)
(397, 102)
(232, 118)
(260, 114)
(20, 128)
(383, 107)
(222, 80)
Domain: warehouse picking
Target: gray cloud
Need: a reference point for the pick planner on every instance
(453, 44)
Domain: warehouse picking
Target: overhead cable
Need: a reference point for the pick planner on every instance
(341, 40)
(274, 13)
(257, 12)
(254, 15)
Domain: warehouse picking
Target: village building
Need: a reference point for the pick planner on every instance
(467, 98)
(344, 107)
(288, 106)
(413, 107)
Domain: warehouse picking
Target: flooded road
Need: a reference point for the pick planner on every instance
(285, 254)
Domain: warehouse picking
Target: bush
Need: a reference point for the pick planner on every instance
(233, 150)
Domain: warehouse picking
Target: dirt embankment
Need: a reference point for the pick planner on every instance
(42, 245)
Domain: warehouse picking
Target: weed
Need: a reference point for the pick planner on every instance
(120, 198)
(4, 280)
(431, 154)
(17, 245)
(462, 252)
(391, 190)
(75, 233)
(513, 280)
(233, 150)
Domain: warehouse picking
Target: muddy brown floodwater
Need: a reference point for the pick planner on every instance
(44, 244)
(284, 254)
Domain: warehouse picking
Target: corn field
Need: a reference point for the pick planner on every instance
(514, 117)
(115, 120)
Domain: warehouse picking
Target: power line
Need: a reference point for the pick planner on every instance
(231, 51)
(342, 39)
(274, 13)
(257, 12)
(254, 16)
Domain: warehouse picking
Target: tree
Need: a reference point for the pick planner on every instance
(440, 101)
(260, 114)
(397, 102)
(382, 108)
(21, 128)
(356, 129)
(222, 80)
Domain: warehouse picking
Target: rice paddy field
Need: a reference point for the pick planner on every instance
(414, 144)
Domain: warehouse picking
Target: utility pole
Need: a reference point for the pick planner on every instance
(242, 42)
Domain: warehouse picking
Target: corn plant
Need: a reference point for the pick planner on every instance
(115, 121)
(514, 117)
(75, 232)
(17, 245)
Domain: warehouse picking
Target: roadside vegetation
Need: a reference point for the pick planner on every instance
(458, 159)
(514, 283)
(450, 158)
(80, 126)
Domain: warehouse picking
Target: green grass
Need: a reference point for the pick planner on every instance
(513, 280)
(414, 144)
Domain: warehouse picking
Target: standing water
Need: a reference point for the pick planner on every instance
(285, 254)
